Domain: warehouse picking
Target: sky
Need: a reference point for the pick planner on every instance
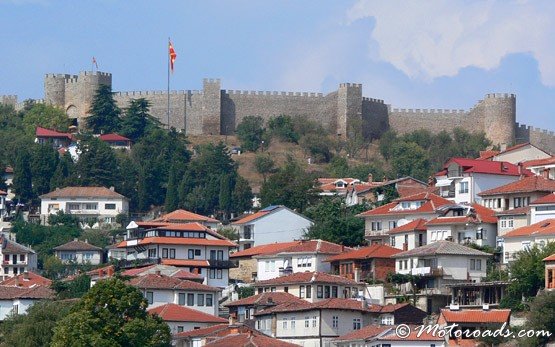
(411, 54)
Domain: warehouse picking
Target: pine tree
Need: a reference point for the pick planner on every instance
(137, 120)
(62, 173)
(44, 160)
(225, 196)
(172, 191)
(22, 179)
(142, 191)
(104, 114)
(97, 165)
(242, 195)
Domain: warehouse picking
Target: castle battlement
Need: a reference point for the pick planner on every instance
(211, 80)
(272, 93)
(140, 93)
(428, 111)
(500, 96)
(95, 73)
(344, 85)
(379, 101)
(60, 76)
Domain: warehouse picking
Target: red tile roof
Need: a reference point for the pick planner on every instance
(525, 185)
(36, 292)
(186, 262)
(26, 280)
(9, 169)
(306, 277)
(212, 330)
(539, 162)
(550, 258)
(271, 248)
(168, 270)
(432, 202)
(481, 215)
(250, 340)
(315, 246)
(413, 336)
(179, 241)
(265, 298)
(484, 214)
(476, 316)
(251, 217)
(548, 199)
(441, 248)
(415, 225)
(113, 137)
(179, 216)
(485, 155)
(514, 211)
(367, 332)
(486, 167)
(82, 192)
(153, 281)
(373, 251)
(177, 313)
(77, 245)
(3, 192)
(43, 132)
(545, 227)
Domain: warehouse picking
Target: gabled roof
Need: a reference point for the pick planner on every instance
(248, 339)
(550, 258)
(44, 132)
(488, 154)
(167, 270)
(415, 225)
(264, 212)
(332, 304)
(180, 216)
(266, 298)
(545, 227)
(373, 251)
(476, 316)
(328, 184)
(153, 281)
(77, 245)
(312, 246)
(306, 277)
(83, 192)
(365, 333)
(441, 248)
(481, 215)
(524, 185)
(37, 292)
(270, 248)
(486, 167)
(178, 313)
(12, 247)
(545, 200)
(432, 202)
(179, 241)
(539, 162)
(30, 279)
(202, 332)
(515, 211)
(113, 137)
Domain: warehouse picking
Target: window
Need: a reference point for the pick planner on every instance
(190, 299)
(301, 292)
(308, 292)
(284, 323)
(314, 320)
(209, 300)
(334, 291)
(406, 239)
(463, 188)
(327, 292)
(335, 321)
(472, 264)
(420, 240)
(172, 253)
(200, 299)
(433, 236)
(293, 322)
(376, 226)
(164, 253)
(179, 328)
(517, 202)
(273, 289)
(197, 252)
(150, 297)
(319, 292)
(219, 274)
(405, 205)
(109, 206)
(90, 206)
(87, 255)
(356, 324)
(212, 255)
(392, 241)
(220, 255)
(478, 264)
(503, 223)
(73, 207)
(22, 257)
(306, 322)
(286, 289)
(392, 224)
(191, 254)
(387, 320)
(181, 298)
(212, 274)
(479, 233)
(510, 223)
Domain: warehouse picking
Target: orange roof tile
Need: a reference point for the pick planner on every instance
(243, 339)
(205, 331)
(367, 332)
(177, 313)
(539, 162)
(44, 132)
(3, 192)
(548, 199)
(83, 192)
(271, 248)
(432, 202)
(26, 280)
(488, 167)
(525, 185)
(251, 217)
(186, 262)
(373, 251)
(550, 258)
(485, 155)
(415, 225)
(316, 246)
(179, 241)
(476, 316)
(413, 336)
(153, 281)
(35, 292)
(545, 227)
(113, 138)
(515, 211)
(264, 298)
(184, 215)
(306, 277)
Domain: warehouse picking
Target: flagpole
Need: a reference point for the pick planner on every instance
(168, 53)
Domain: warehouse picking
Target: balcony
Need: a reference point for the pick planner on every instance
(222, 264)
(375, 232)
(427, 271)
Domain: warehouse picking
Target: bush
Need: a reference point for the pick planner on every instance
(251, 133)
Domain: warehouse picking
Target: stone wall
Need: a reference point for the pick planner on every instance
(541, 138)
(375, 118)
(8, 100)
(244, 271)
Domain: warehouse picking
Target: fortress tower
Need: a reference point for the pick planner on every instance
(499, 118)
(349, 109)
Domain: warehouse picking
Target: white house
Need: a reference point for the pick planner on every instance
(16, 259)
(191, 246)
(182, 217)
(538, 234)
(3, 208)
(269, 225)
(336, 186)
(385, 335)
(181, 318)
(542, 208)
(16, 300)
(462, 179)
(541, 167)
(305, 255)
(518, 153)
(8, 178)
(94, 206)
(79, 252)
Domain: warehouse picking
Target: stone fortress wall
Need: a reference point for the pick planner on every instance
(214, 110)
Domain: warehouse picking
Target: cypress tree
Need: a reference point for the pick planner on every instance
(22, 177)
(104, 114)
(172, 191)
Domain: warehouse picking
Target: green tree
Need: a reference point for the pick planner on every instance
(224, 199)
(62, 218)
(44, 160)
(128, 185)
(264, 165)
(172, 192)
(104, 114)
(22, 180)
(137, 120)
(409, 159)
(282, 127)
(338, 167)
(34, 328)
(542, 317)
(388, 139)
(111, 314)
(46, 116)
(97, 164)
(75, 288)
(64, 169)
(316, 146)
(242, 195)
(250, 133)
(245, 292)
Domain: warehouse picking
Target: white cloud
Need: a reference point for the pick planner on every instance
(433, 38)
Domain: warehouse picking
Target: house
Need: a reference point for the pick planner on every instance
(116, 141)
(471, 320)
(183, 217)
(167, 270)
(159, 290)
(541, 167)
(550, 272)
(537, 234)
(304, 255)
(312, 286)
(462, 179)
(378, 221)
(7, 175)
(181, 318)
(384, 335)
(244, 309)
(16, 258)
(375, 191)
(367, 263)
(472, 295)
(247, 266)
(318, 323)
(542, 208)
(269, 225)
(93, 206)
(3, 206)
(336, 186)
(55, 138)
(191, 246)
(464, 224)
(17, 300)
(511, 219)
(409, 236)
(27, 279)
(515, 154)
(79, 252)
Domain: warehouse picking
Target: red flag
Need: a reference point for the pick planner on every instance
(94, 62)
(173, 55)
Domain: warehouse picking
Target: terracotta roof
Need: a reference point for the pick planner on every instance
(539, 162)
(43, 132)
(265, 211)
(313, 246)
(486, 167)
(26, 280)
(545, 227)
(77, 245)
(367, 332)
(486, 215)
(432, 202)
(306, 277)
(177, 313)
(153, 281)
(550, 258)
(179, 216)
(83, 192)
(415, 225)
(251, 340)
(186, 262)
(36, 292)
(441, 248)
(190, 226)
(205, 331)
(476, 316)
(264, 298)
(413, 336)
(113, 137)
(11, 247)
(548, 199)
(3, 192)
(525, 185)
(485, 155)
(8, 169)
(270, 248)
(167, 270)
(373, 251)
(180, 241)
(514, 211)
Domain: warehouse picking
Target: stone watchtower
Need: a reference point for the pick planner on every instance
(74, 93)
(211, 106)
(499, 117)
(349, 109)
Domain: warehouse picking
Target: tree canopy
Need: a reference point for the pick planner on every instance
(104, 114)
(250, 133)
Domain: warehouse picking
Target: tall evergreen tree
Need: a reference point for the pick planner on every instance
(242, 195)
(142, 191)
(62, 173)
(97, 164)
(22, 180)
(44, 160)
(224, 199)
(104, 114)
(3, 185)
(172, 191)
(137, 120)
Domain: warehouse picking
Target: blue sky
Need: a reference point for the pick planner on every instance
(427, 54)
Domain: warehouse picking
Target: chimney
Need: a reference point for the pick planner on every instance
(112, 188)
(363, 304)
(17, 281)
(503, 147)
(232, 319)
(370, 178)
(157, 272)
(86, 240)
(405, 247)
(75, 239)
(110, 271)
(25, 275)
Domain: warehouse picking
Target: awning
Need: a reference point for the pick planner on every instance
(444, 182)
